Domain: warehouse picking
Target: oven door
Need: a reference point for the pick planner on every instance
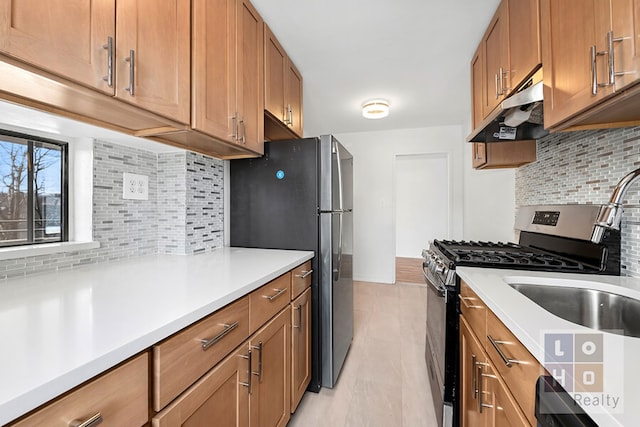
(435, 341)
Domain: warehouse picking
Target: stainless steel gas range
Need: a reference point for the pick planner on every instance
(550, 238)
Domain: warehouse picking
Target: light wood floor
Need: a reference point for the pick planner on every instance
(384, 381)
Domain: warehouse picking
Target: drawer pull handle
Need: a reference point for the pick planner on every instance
(227, 329)
(467, 305)
(91, 422)
(304, 274)
(276, 295)
(505, 359)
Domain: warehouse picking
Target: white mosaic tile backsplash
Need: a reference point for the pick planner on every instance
(181, 185)
(584, 167)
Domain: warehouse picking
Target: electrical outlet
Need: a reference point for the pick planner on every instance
(135, 187)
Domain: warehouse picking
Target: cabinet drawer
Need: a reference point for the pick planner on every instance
(520, 378)
(268, 300)
(300, 279)
(183, 358)
(474, 310)
(120, 397)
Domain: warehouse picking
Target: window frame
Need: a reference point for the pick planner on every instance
(31, 141)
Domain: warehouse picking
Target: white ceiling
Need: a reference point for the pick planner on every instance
(415, 53)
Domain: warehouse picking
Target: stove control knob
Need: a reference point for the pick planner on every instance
(440, 267)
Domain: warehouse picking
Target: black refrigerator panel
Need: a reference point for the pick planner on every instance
(274, 199)
(273, 203)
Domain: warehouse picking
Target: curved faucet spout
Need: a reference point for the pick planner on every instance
(610, 214)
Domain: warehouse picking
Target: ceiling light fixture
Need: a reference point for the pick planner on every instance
(375, 109)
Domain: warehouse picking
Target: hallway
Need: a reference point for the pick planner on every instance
(384, 381)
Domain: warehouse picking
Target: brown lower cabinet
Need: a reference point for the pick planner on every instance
(492, 393)
(232, 368)
(228, 396)
(300, 347)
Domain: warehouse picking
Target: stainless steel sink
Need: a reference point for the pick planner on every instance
(592, 308)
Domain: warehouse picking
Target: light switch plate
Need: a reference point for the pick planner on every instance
(135, 187)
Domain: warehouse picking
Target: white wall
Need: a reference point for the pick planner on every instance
(481, 203)
(374, 155)
(489, 202)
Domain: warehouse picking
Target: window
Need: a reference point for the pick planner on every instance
(33, 190)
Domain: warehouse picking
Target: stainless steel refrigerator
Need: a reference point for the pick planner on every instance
(299, 196)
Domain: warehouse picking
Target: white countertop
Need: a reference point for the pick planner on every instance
(59, 329)
(529, 322)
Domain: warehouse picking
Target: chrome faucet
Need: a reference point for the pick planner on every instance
(611, 214)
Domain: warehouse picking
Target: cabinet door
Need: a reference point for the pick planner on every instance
(524, 39)
(221, 397)
(158, 32)
(250, 80)
(270, 402)
(293, 97)
(214, 68)
(505, 410)
(300, 347)
(496, 65)
(573, 34)
(40, 33)
(275, 70)
(472, 363)
(625, 40)
(479, 154)
(477, 88)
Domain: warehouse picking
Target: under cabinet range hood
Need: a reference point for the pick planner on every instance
(519, 117)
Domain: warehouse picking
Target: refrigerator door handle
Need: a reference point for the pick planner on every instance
(339, 170)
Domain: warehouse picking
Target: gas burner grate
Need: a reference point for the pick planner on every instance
(505, 255)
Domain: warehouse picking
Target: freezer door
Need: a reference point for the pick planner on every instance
(336, 170)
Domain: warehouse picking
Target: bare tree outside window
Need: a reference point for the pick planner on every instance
(32, 191)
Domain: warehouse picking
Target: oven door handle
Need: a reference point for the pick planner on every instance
(441, 291)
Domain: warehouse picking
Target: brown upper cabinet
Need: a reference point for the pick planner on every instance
(40, 33)
(283, 88)
(137, 51)
(508, 54)
(227, 71)
(591, 52)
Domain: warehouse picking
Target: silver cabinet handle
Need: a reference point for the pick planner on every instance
(259, 373)
(227, 329)
(594, 70)
(234, 136)
(109, 47)
(481, 375)
(249, 382)
(304, 274)
(91, 422)
(276, 295)
(501, 73)
(290, 114)
(612, 60)
(132, 72)
(497, 94)
(299, 308)
(474, 378)
(464, 302)
(244, 131)
(505, 359)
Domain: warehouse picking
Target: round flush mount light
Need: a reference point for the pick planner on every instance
(375, 109)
